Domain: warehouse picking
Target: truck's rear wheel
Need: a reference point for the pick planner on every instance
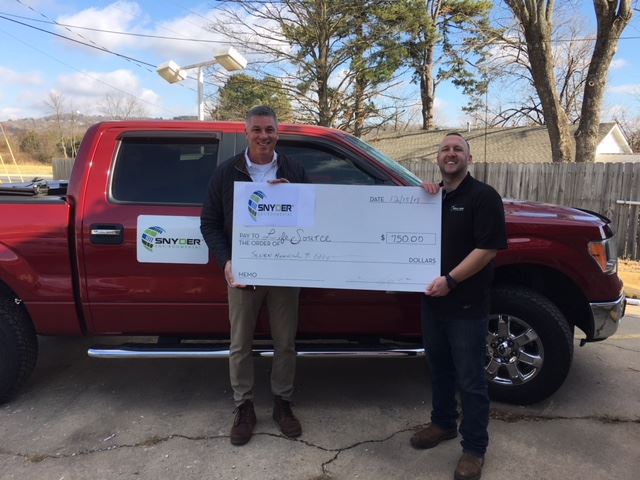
(18, 348)
(529, 346)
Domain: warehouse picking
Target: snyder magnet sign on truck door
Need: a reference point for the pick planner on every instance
(170, 239)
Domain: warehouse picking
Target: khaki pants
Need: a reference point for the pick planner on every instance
(244, 307)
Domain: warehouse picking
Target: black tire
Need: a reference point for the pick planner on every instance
(529, 346)
(18, 348)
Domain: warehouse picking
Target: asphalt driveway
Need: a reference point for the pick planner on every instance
(81, 418)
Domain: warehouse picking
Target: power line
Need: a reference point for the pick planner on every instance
(139, 63)
(48, 55)
(199, 40)
(93, 45)
(163, 27)
(102, 49)
(136, 61)
(98, 47)
(67, 28)
(116, 32)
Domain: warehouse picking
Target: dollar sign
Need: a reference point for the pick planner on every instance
(382, 237)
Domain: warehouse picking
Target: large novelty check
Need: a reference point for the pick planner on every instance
(336, 236)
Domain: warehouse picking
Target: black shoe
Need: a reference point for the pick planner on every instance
(243, 423)
(284, 417)
(431, 436)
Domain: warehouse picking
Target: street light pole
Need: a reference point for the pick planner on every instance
(200, 94)
(201, 67)
(230, 60)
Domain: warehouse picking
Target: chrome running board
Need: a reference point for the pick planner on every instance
(194, 350)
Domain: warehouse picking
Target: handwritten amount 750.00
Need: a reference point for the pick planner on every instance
(409, 238)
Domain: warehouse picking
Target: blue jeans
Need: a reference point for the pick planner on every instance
(456, 349)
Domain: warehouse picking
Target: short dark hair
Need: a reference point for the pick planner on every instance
(456, 134)
(261, 111)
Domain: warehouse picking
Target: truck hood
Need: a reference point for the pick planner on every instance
(524, 211)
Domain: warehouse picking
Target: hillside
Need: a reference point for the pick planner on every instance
(45, 133)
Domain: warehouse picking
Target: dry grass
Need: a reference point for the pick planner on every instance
(23, 172)
(629, 272)
(24, 168)
(630, 266)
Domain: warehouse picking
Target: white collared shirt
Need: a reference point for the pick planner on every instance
(262, 172)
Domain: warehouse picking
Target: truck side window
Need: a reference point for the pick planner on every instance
(324, 165)
(163, 170)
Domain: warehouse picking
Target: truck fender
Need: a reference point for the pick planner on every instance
(15, 272)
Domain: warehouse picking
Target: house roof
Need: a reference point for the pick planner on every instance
(502, 145)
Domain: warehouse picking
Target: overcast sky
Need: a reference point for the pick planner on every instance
(34, 62)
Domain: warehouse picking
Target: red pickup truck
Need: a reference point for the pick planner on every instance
(71, 263)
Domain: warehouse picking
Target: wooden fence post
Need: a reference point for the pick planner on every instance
(62, 168)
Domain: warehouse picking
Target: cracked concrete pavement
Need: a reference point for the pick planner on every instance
(80, 418)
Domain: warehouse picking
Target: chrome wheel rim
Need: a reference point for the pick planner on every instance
(515, 354)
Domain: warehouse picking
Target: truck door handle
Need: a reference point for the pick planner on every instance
(107, 234)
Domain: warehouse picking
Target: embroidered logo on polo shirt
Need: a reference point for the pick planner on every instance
(455, 208)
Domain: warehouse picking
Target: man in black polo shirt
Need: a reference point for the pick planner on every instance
(455, 307)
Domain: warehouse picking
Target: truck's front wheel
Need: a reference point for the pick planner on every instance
(529, 346)
(18, 347)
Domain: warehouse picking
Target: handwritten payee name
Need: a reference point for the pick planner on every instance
(299, 236)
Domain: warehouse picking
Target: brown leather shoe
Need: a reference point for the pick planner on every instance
(243, 423)
(469, 467)
(431, 436)
(284, 417)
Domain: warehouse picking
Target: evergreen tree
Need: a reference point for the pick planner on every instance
(242, 92)
(442, 35)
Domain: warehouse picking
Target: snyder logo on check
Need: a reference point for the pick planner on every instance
(257, 205)
(266, 205)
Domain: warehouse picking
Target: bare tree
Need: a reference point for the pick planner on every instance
(508, 69)
(536, 20)
(74, 121)
(613, 17)
(331, 66)
(56, 101)
(630, 124)
(572, 63)
(122, 107)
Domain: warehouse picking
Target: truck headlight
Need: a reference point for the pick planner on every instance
(605, 253)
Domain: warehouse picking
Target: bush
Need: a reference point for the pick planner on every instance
(39, 146)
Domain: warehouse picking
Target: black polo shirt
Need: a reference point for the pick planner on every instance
(472, 217)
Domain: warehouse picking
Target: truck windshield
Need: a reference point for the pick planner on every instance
(410, 177)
